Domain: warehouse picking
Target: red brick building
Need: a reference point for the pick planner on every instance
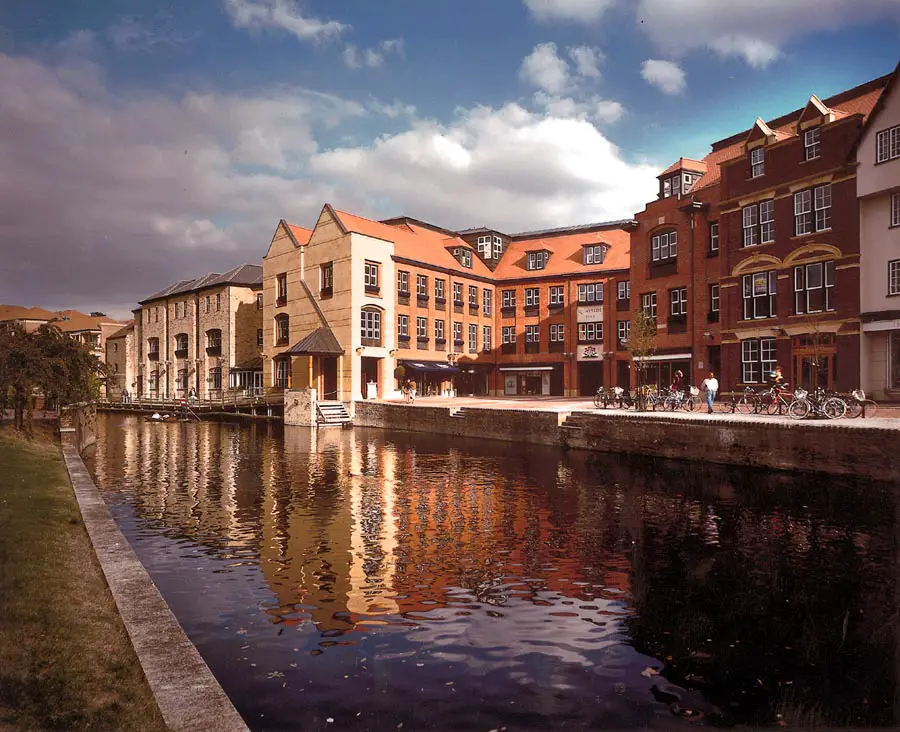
(789, 226)
(750, 257)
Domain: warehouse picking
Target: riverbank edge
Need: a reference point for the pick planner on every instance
(866, 451)
(188, 695)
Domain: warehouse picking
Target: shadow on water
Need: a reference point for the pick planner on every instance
(378, 579)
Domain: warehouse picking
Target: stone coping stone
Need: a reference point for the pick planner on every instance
(187, 693)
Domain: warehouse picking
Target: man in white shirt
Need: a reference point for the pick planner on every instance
(711, 385)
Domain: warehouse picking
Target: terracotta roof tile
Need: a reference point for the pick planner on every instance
(566, 254)
(18, 312)
(416, 243)
(685, 164)
(300, 233)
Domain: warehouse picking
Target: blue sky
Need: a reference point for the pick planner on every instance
(169, 139)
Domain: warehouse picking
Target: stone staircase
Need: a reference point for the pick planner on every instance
(573, 423)
(332, 413)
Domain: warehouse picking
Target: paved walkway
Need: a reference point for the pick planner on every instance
(887, 416)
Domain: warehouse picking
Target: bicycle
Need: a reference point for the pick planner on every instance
(679, 400)
(819, 405)
(859, 406)
(750, 402)
(774, 400)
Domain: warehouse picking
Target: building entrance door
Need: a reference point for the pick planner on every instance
(623, 374)
(815, 361)
(369, 372)
(329, 378)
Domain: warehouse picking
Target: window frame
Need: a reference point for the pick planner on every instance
(623, 331)
(714, 298)
(648, 304)
(532, 297)
(487, 300)
(439, 330)
(371, 276)
(678, 302)
(803, 292)
(507, 334)
(590, 332)
(891, 147)
(532, 333)
(895, 210)
(664, 240)
(473, 337)
(371, 326)
(439, 288)
(812, 143)
(893, 277)
(473, 296)
(282, 332)
(421, 328)
(402, 326)
(508, 299)
(757, 163)
(421, 286)
(403, 283)
(623, 286)
(557, 296)
(557, 332)
(326, 277)
(457, 293)
(758, 358)
(593, 254)
(714, 236)
(751, 304)
(536, 260)
(485, 338)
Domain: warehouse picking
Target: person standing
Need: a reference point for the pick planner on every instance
(711, 386)
(412, 391)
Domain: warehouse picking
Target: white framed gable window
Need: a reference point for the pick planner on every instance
(484, 246)
(757, 162)
(811, 144)
(594, 254)
(537, 260)
(887, 146)
(498, 248)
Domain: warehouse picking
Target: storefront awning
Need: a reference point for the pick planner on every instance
(665, 357)
(526, 368)
(430, 367)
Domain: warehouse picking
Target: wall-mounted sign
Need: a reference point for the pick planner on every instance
(590, 353)
(590, 313)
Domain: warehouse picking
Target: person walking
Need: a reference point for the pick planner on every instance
(711, 386)
(412, 391)
(125, 396)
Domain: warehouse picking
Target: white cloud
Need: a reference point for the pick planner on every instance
(544, 69)
(282, 14)
(665, 75)
(514, 168)
(584, 11)
(120, 192)
(608, 111)
(591, 107)
(586, 60)
(355, 58)
(764, 25)
(130, 33)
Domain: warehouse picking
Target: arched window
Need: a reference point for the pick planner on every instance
(282, 330)
(214, 342)
(181, 345)
(370, 323)
(153, 349)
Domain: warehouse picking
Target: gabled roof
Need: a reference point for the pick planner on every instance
(321, 342)
(695, 166)
(298, 233)
(815, 108)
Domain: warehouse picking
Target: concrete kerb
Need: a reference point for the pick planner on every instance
(187, 693)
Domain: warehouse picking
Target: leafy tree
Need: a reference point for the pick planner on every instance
(642, 345)
(46, 361)
(98, 314)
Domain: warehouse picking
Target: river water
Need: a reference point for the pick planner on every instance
(372, 580)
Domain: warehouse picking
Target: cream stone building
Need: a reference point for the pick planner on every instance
(202, 334)
(878, 188)
(336, 306)
(120, 359)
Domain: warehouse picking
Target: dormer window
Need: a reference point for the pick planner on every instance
(757, 162)
(594, 254)
(484, 246)
(537, 260)
(463, 256)
(672, 186)
(811, 143)
(498, 247)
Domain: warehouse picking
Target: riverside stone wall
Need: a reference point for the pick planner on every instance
(861, 448)
(77, 424)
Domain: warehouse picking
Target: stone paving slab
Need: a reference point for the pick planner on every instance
(186, 691)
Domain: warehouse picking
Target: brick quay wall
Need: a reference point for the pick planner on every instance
(864, 448)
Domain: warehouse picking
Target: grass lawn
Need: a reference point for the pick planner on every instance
(66, 662)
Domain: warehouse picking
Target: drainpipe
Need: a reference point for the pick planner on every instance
(692, 208)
